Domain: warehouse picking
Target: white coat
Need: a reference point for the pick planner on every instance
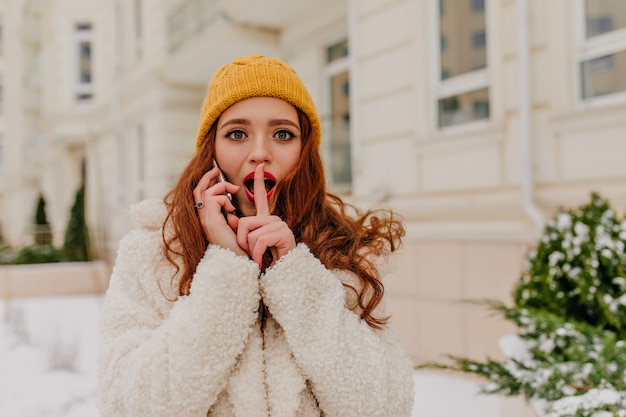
(206, 354)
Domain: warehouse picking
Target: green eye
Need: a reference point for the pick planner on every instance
(284, 135)
(236, 134)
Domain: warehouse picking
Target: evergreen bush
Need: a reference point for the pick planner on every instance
(76, 245)
(43, 233)
(7, 255)
(6, 252)
(570, 309)
(37, 254)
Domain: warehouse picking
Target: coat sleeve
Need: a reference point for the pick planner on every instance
(353, 369)
(166, 358)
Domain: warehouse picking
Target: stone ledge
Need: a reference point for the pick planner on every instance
(53, 279)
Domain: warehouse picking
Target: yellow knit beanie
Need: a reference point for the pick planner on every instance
(255, 76)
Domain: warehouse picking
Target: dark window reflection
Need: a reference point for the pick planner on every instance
(603, 16)
(464, 30)
(464, 108)
(341, 163)
(604, 75)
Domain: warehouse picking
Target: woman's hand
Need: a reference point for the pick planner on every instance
(217, 229)
(255, 234)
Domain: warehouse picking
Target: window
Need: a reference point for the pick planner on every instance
(337, 147)
(140, 163)
(599, 25)
(479, 39)
(1, 154)
(84, 41)
(138, 30)
(478, 6)
(119, 39)
(463, 84)
(1, 34)
(602, 51)
(603, 75)
(337, 51)
(463, 108)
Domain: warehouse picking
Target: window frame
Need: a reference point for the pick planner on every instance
(330, 70)
(591, 48)
(83, 88)
(2, 93)
(459, 84)
(2, 154)
(2, 31)
(138, 28)
(119, 39)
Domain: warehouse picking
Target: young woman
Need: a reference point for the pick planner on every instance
(259, 294)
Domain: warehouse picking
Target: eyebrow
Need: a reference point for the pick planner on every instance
(236, 122)
(278, 122)
(273, 122)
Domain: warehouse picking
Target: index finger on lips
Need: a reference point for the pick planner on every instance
(260, 195)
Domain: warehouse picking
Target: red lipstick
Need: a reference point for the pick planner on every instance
(270, 184)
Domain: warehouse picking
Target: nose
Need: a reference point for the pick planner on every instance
(260, 151)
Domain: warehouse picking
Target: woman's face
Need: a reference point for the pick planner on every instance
(252, 131)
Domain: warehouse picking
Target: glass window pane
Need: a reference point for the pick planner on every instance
(604, 16)
(138, 29)
(478, 5)
(479, 39)
(464, 108)
(1, 154)
(119, 39)
(83, 27)
(84, 51)
(604, 75)
(341, 164)
(337, 51)
(465, 34)
(1, 34)
(84, 96)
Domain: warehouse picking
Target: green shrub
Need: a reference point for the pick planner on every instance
(38, 254)
(577, 271)
(76, 245)
(43, 233)
(570, 309)
(7, 255)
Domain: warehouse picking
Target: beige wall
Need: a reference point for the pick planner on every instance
(60, 279)
(428, 288)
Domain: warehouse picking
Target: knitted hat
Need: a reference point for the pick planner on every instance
(255, 76)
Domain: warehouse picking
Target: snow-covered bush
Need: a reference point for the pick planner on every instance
(577, 270)
(570, 308)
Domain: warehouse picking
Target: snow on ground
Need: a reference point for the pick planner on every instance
(48, 365)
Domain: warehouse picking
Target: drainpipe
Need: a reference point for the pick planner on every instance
(525, 107)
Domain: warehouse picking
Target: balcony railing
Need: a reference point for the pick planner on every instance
(188, 19)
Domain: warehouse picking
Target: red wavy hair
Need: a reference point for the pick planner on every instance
(341, 236)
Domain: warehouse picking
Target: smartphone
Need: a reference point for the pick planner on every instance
(220, 178)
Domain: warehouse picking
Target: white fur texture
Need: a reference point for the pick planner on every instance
(206, 354)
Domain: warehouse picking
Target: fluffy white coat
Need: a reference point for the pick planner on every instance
(206, 354)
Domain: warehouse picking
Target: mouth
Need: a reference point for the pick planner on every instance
(270, 185)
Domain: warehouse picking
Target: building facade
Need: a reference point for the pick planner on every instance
(473, 119)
